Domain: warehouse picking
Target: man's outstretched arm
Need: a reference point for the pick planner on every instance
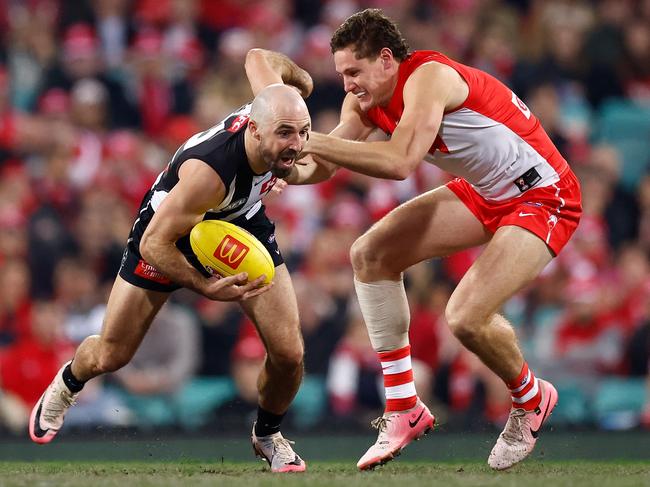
(264, 68)
(426, 96)
(314, 169)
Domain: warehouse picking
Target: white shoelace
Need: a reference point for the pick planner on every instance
(283, 451)
(512, 433)
(52, 412)
(381, 424)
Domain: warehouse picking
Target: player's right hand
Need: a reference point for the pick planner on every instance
(235, 288)
(279, 186)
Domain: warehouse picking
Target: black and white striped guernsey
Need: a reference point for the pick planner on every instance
(222, 148)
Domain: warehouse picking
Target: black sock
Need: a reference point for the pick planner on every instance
(267, 423)
(74, 384)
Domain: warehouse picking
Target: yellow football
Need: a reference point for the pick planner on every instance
(227, 249)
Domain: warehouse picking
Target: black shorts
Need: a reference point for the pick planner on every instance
(136, 271)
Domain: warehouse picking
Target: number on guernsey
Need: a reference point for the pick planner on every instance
(196, 139)
(521, 105)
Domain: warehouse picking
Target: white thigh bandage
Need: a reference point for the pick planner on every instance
(386, 311)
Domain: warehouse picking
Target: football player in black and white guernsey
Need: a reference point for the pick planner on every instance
(221, 173)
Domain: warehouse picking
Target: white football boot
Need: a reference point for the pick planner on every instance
(277, 451)
(48, 413)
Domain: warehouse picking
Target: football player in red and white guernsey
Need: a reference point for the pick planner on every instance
(514, 192)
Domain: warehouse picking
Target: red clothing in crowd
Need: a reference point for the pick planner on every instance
(27, 367)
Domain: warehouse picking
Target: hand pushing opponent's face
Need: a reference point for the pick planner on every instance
(280, 123)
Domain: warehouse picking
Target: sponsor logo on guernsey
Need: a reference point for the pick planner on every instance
(231, 251)
(149, 272)
(527, 180)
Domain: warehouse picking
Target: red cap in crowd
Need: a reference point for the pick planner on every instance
(79, 41)
(148, 42)
(54, 101)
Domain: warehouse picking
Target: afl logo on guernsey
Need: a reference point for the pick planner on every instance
(238, 123)
(266, 187)
(231, 251)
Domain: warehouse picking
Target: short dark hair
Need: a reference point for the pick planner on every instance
(368, 32)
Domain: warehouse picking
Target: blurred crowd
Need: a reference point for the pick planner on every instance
(95, 97)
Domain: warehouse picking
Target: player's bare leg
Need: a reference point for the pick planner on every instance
(512, 259)
(433, 224)
(275, 315)
(129, 313)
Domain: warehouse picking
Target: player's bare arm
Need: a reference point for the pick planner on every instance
(308, 171)
(264, 68)
(428, 92)
(353, 125)
(199, 189)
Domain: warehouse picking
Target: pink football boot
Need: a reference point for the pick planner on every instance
(396, 430)
(519, 436)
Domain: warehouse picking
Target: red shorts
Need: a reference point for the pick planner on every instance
(552, 212)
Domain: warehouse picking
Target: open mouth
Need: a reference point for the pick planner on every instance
(287, 161)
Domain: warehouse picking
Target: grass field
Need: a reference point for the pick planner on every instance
(112, 459)
(249, 474)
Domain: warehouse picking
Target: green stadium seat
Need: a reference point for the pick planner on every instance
(620, 394)
(572, 406)
(200, 397)
(310, 403)
(619, 402)
(190, 407)
(626, 126)
(149, 411)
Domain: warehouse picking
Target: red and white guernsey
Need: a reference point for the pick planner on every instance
(492, 140)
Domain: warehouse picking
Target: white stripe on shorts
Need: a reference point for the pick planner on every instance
(552, 220)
